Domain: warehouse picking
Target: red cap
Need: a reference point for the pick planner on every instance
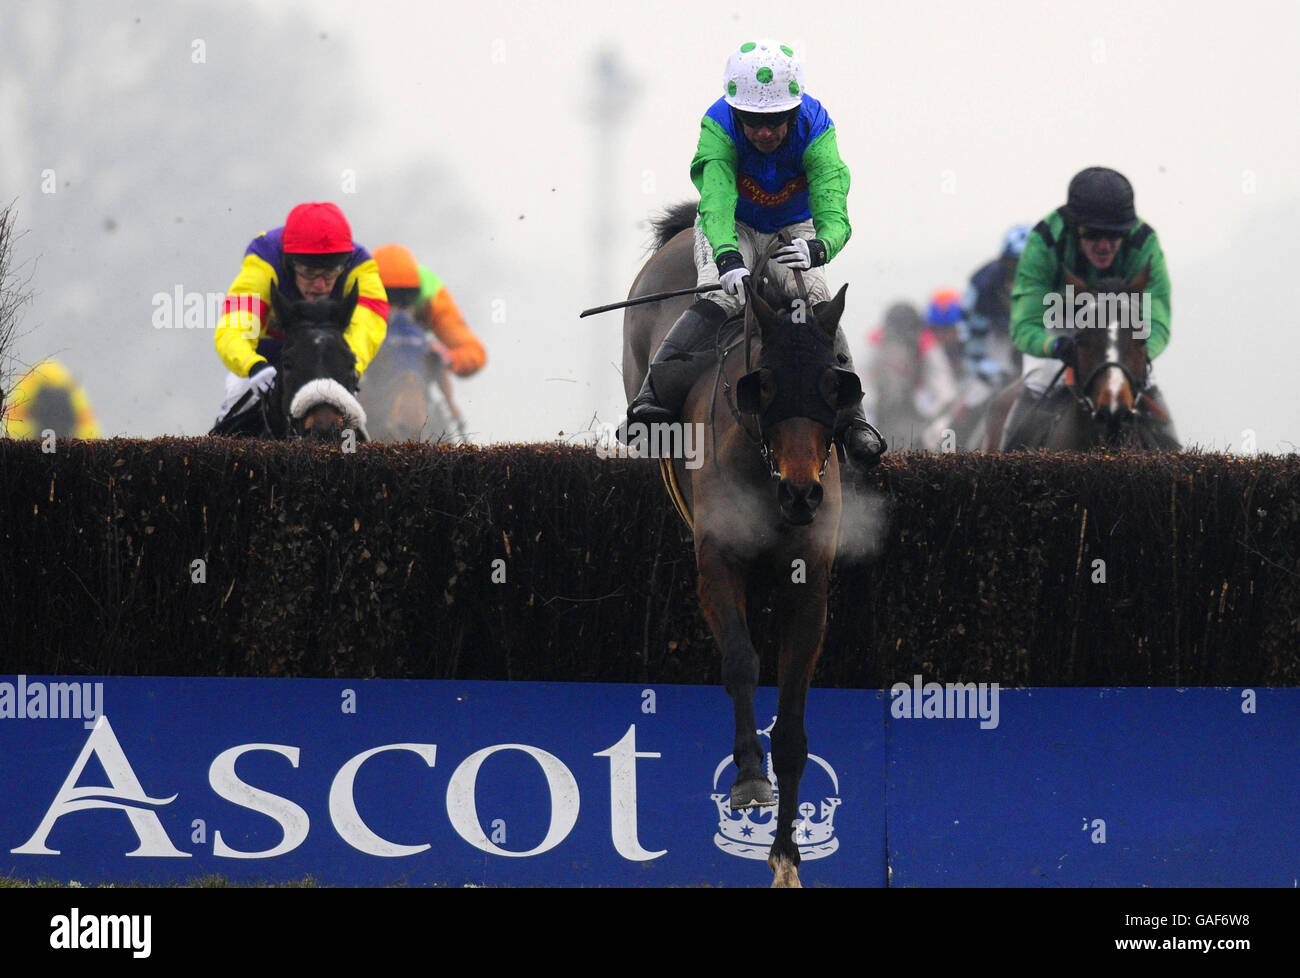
(317, 229)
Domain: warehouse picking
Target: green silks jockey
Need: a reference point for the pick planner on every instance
(1096, 234)
(767, 161)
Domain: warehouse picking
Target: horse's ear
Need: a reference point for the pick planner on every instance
(1079, 284)
(1138, 282)
(827, 314)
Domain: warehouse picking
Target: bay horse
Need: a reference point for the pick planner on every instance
(314, 392)
(407, 394)
(763, 502)
(1110, 407)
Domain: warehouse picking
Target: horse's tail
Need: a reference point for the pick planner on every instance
(671, 220)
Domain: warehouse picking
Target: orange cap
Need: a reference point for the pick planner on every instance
(397, 267)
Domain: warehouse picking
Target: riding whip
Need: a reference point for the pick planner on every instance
(658, 296)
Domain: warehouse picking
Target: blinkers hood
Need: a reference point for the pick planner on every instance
(798, 376)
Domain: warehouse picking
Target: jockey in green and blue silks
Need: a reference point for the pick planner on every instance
(802, 180)
(767, 161)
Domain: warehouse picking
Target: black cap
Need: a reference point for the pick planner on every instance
(1100, 198)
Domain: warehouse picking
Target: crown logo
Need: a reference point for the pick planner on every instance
(749, 834)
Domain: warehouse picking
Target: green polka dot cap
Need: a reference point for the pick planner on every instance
(763, 76)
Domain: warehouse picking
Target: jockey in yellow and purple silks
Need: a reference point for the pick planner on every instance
(767, 161)
(48, 398)
(312, 257)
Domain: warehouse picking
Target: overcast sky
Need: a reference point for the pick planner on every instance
(469, 133)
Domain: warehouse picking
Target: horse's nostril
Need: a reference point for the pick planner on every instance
(805, 497)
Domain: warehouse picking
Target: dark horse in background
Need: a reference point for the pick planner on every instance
(314, 395)
(763, 500)
(1109, 406)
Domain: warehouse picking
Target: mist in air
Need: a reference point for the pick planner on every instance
(519, 149)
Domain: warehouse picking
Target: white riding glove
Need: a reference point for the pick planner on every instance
(262, 381)
(795, 255)
(733, 282)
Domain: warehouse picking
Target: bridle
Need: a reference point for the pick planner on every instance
(1141, 403)
(227, 423)
(1085, 401)
(759, 437)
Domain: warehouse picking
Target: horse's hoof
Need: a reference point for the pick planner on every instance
(785, 874)
(754, 793)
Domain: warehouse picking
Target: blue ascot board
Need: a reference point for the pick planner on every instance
(1090, 787)
(418, 783)
(370, 783)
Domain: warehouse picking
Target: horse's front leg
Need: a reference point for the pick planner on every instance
(995, 418)
(722, 601)
(1074, 432)
(802, 631)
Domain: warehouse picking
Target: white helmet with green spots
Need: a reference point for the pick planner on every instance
(763, 76)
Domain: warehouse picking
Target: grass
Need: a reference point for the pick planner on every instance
(210, 882)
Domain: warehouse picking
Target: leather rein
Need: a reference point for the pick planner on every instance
(758, 437)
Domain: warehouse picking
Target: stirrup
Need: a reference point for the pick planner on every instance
(649, 411)
(646, 407)
(864, 457)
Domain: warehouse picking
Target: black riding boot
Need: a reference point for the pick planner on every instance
(1161, 429)
(861, 442)
(676, 365)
